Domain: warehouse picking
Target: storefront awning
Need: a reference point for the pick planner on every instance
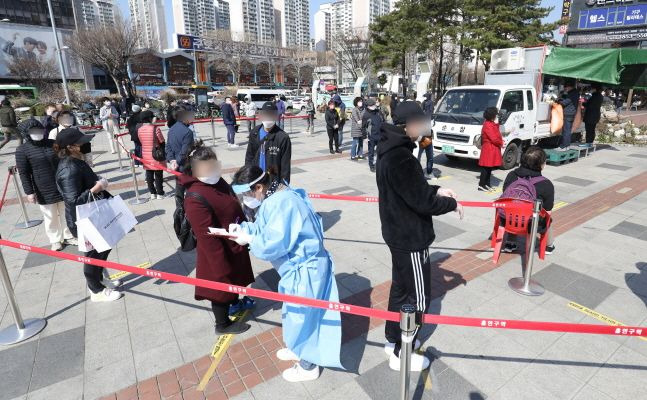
(626, 68)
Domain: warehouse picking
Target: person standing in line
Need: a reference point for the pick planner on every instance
(491, 145)
(250, 112)
(153, 167)
(65, 119)
(428, 109)
(341, 110)
(269, 146)
(235, 105)
(592, 112)
(132, 123)
(357, 149)
(78, 184)
(171, 113)
(36, 162)
(9, 123)
(49, 122)
(619, 103)
(229, 119)
(570, 101)
(287, 232)
(180, 139)
(332, 127)
(310, 113)
(110, 120)
(281, 107)
(393, 104)
(372, 121)
(407, 205)
(211, 203)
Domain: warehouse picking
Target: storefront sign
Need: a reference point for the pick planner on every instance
(226, 47)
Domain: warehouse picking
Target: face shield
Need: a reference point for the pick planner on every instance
(247, 197)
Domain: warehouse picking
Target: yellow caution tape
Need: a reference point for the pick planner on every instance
(559, 204)
(218, 352)
(598, 316)
(122, 274)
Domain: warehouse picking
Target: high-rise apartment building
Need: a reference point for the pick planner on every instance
(252, 20)
(148, 18)
(94, 12)
(222, 14)
(322, 28)
(341, 18)
(194, 17)
(292, 21)
(366, 11)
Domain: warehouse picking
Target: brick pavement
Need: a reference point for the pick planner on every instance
(252, 361)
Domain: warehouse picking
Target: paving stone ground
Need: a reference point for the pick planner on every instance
(154, 344)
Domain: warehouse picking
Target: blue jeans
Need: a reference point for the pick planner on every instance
(371, 152)
(567, 129)
(308, 366)
(138, 152)
(358, 147)
(231, 133)
(281, 122)
(429, 151)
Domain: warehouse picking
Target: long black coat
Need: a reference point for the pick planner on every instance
(36, 163)
(74, 179)
(592, 109)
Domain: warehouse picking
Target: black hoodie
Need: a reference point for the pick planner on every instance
(277, 148)
(407, 201)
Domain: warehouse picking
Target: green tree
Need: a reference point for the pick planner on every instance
(494, 24)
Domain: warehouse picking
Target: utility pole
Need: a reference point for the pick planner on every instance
(58, 51)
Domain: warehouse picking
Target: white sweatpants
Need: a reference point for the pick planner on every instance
(55, 225)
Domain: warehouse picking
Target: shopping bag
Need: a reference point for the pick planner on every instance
(83, 211)
(107, 223)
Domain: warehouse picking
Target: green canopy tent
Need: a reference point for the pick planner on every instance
(625, 68)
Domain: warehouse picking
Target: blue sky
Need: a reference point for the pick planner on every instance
(314, 6)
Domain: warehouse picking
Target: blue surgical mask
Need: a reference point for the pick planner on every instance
(251, 202)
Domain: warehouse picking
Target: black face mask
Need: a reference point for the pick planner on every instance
(86, 148)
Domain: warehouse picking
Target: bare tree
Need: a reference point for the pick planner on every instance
(224, 47)
(42, 73)
(351, 51)
(108, 47)
(303, 61)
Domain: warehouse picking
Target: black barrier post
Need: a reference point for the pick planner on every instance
(26, 222)
(22, 329)
(408, 326)
(525, 285)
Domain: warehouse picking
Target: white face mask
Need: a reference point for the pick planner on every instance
(214, 177)
(267, 125)
(106, 103)
(360, 104)
(372, 108)
(37, 136)
(251, 202)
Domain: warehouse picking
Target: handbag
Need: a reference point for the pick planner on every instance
(182, 226)
(159, 149)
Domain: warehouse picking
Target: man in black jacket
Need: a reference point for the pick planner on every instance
(407, 204)
(269, 147)
(132, 123)
(372, 121)
(592, 112)
(570, 101)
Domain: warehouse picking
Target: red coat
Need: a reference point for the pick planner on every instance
(491, 144)
(219, 259)
(145, 134)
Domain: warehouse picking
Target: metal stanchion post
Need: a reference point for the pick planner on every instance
(116, 140)
(27, 223)
(408, 327)
(23, 329)
(213, 131)
(290, 125)
(137, 199)
(525, 285)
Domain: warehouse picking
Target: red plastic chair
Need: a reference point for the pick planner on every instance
(518, 218)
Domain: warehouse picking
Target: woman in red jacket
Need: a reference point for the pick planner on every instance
(210, 202)
(491, 144)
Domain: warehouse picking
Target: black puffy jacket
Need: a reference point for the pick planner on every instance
(407, 201)
(36, 163)
(74, 179)
(277, 148)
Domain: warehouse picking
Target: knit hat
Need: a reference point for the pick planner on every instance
(408, 111)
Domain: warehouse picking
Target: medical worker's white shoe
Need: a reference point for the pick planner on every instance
(298, 374)
(418, 362)
(390, 347)
(105, 295)
(286, 354)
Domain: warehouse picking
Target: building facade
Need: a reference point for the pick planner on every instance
(148, 17)
(252, 20)
(322, 28)
(365, 12)
(292, 22)
(222, 15)
(36, 12)
(341, 18)
(194, 17)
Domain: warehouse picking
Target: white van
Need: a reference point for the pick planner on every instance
(259, 96)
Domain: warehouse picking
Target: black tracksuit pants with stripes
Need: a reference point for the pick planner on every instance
(411, 284)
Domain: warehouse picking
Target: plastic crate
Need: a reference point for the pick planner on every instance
(556, 157)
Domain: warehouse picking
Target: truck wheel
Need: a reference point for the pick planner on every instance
(510, 156)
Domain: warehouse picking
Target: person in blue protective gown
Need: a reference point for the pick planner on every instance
(287, 232)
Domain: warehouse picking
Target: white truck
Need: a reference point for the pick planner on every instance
(514, 86)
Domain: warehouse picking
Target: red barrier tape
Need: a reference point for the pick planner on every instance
(162, 122)
(345, 308)
(4, 190)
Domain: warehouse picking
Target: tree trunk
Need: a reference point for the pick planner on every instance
(460, 63)
(441, 57)
(404, 74)
(476, 68)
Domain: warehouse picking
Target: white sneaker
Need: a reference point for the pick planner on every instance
(234, 145)
(286, 354)
(418, 362)
(390, 347)
(105, 295)
(57, 246)
(71, 242)
(111, 284)
(153, 197)
(298, 374)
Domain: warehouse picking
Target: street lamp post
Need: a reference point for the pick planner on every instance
(58, 51)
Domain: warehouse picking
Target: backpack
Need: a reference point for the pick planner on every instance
(521, 189)
(182, 226)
